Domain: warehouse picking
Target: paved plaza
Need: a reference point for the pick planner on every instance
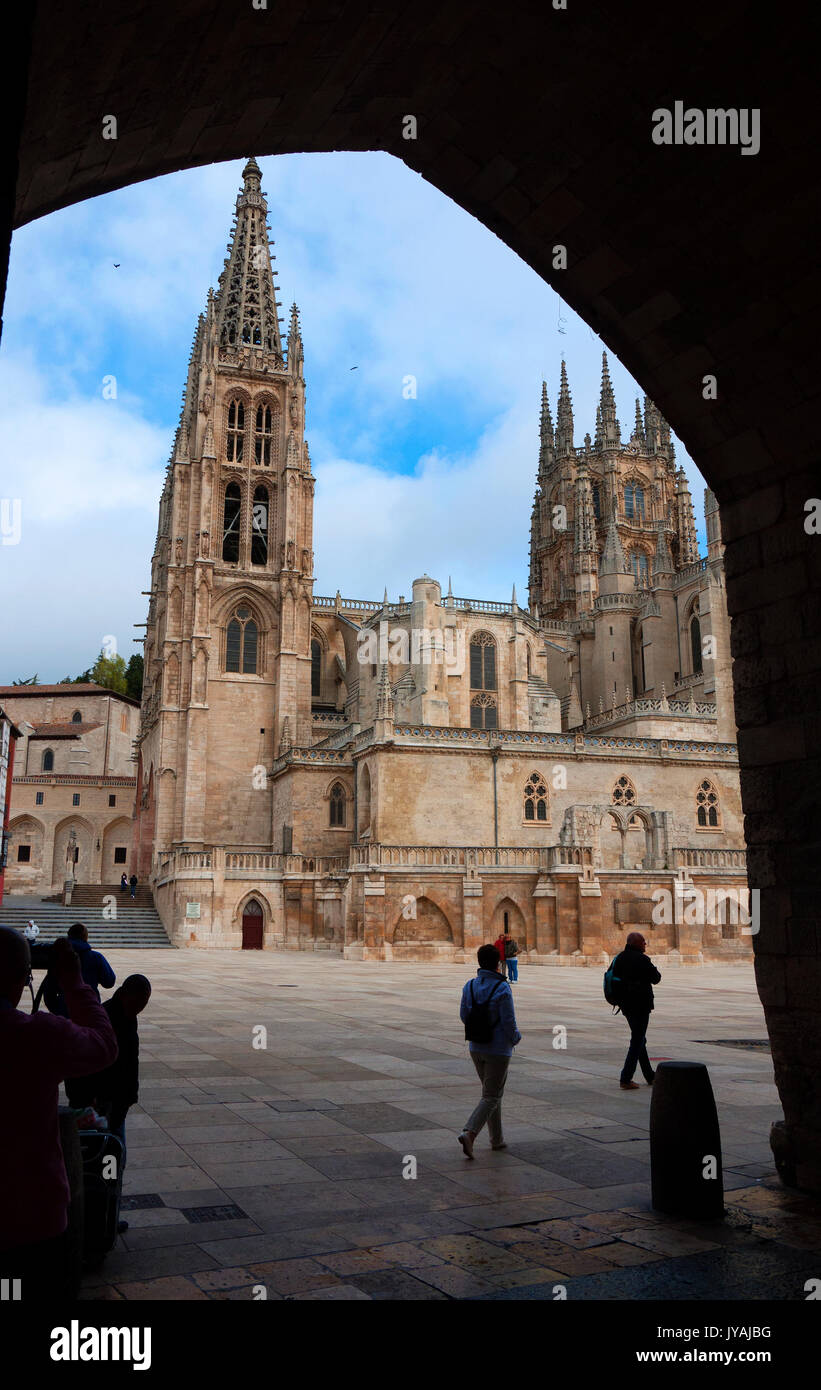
(284, 1166)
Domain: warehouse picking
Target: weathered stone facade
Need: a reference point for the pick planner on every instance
(392, 779)
(73, 772)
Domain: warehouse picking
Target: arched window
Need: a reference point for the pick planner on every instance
(259, 527)
(76, 717)
(708, 806)
(316, 669)
(596, 502)
(241, 643)
(365, 802)
(624, 793)
(638, 560)
(235, 434)
(536, 798)
(483, 712)
(48, 760)
(695, 644)
(337, 800)
(230, 527)
(262, 436)
(634, 502)
(482, 662)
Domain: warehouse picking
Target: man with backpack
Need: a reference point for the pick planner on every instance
(490, 1027)
(631, 979)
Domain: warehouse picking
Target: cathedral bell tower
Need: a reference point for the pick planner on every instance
(227, 658)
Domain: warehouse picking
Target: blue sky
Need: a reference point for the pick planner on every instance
(391, 278)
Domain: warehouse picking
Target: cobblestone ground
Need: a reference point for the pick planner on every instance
(283, 1166)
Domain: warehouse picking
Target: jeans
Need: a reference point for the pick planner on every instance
(637, 1051)
(493, 1075)
(512, 968)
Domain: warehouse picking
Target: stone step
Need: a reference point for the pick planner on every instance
(136, 925)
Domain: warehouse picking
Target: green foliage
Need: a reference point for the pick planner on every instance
(110, 672)
(134, 677)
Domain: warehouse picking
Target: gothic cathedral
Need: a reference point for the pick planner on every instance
(402, 779)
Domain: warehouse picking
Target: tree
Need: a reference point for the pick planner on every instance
(109, 672)
(31, 680)
(134, 677)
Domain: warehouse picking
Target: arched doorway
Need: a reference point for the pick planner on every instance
(253, 920)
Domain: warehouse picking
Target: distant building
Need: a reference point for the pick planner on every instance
(401, 779)
(9, 733)
(74, 771)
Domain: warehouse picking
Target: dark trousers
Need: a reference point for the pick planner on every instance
(637, 1021)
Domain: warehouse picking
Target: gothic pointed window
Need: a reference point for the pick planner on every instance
(337, 800)
(262, 436)
(624, 793)
(230, 528)
(596, 502)
(483, 712)
(638, 561)
(482, 662)
(242, 643)
(76, 717)
(259, 527)
(48, 760)
(634, 502)
(316, 669)
(535, 802)
(695, 644)
(708, 806)
(235, 434)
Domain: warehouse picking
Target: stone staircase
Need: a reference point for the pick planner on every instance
(136, 926)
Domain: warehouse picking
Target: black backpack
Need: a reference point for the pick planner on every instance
(614, 986)
(478, 1024)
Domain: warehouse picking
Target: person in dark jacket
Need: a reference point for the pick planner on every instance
(491, 1059)
(123, 883)
(94, 969)
(133, 881)
(638, 975)
(112, 1092)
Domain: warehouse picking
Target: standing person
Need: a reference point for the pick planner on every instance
(499, 943)
(638, 975)
(113, 1091)
(94, 969)
(490, 991)
(133, 881)
(511, 949)
(124, 884)
(36, 1053)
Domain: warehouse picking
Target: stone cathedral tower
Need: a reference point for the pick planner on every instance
(232, 571)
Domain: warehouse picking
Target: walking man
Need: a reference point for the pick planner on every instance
(490, 1025)
(133, 881)
(638, 975)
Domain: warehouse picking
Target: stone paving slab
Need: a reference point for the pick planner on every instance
(295, 1154)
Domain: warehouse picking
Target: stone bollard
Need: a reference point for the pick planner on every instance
(685, 1143)
(73, 1159)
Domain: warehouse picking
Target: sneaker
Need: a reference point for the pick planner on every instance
(466, 1140)
(499, 1146)
(629, 1085)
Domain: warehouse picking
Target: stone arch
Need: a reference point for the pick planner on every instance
(172, 679)
(116, 835)
(332, 801)
(516, 920)
(85, 840)
(652, 309)
(26, 830)
(252, 916)
(429, 926)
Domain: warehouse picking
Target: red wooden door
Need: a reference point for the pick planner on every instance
(252, 920)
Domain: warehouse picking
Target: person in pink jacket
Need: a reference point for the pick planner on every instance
(37, 1051)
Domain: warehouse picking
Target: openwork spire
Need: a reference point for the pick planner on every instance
(564, 418)
(613, 559)
(546, 435)
(652, 425)
(585, 550)
(247, 308)
(637, 437)
(686, 522)
(610, 428)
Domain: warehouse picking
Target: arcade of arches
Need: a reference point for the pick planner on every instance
(686, 262)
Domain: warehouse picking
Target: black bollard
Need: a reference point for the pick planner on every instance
(73, 1159)
(685, 1142)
